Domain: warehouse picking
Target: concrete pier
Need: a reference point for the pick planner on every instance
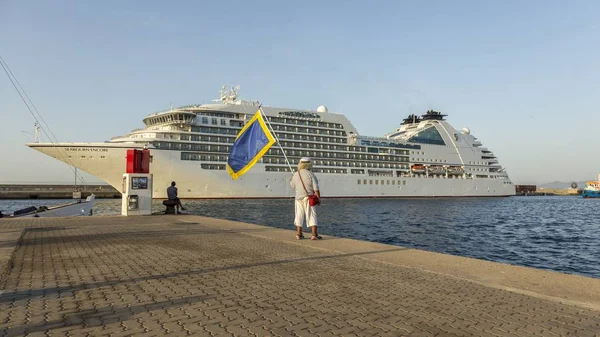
(180, 275)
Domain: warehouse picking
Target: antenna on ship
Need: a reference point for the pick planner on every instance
(36, 134)
(228, 96)
(233, 92)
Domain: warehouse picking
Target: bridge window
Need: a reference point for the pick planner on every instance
(428, 136)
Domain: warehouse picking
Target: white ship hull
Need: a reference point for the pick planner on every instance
(107, 161)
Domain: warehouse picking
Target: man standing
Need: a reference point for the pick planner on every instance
(306, 184)
(172, 195)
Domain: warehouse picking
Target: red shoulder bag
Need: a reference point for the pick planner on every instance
(313, 200)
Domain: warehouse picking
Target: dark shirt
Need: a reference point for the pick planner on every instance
(172, 192)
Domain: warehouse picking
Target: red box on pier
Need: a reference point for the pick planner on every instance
(138, 161)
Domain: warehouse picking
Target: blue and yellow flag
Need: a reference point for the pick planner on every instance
(253, 141)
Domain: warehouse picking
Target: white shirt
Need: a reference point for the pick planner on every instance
(310, 182)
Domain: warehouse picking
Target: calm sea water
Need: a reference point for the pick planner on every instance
(556, 233)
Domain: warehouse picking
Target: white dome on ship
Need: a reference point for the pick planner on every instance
(466, 131)
(322, 108)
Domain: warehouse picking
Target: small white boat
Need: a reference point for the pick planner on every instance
(78, 208)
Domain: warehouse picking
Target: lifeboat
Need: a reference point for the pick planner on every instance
(455, 170)
(417, 168)
(435, 169)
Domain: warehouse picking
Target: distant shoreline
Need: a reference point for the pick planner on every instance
(56, 191)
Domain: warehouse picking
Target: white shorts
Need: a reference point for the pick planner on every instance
(305, 212)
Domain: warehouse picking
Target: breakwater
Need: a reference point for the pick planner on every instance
(38, 191)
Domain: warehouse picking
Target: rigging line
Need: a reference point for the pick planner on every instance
(31, 102)
(52, 139)
(10, 76)
(17, 89)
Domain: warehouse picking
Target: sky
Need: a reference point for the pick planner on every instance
(522, 75)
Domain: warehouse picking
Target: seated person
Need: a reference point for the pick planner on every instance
(172, 195)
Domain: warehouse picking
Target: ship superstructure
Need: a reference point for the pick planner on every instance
(424, 157)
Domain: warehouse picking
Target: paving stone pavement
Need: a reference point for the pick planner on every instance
(159, 275)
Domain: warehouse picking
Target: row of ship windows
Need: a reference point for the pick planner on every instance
(381, 182)
(226, 148)
(213, 166)
(222, 122)
(333, 170)
(217, 114)
(391, 144)
(305, 122)
(232, 132)
(339, 163)
(312, 138)
(291, 152)
(345, 171)
(192, 147)
(266, 160)
(318, 154)
(423, 160)
(227, 116)
(220, 131)
(315, 131)
(383, 174)
(88, 157)
(344, 148)
(342, 155)
(277, 127)
(373, 173)
(315, 169)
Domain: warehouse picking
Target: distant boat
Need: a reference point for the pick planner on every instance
(592, 189)
(77, 208)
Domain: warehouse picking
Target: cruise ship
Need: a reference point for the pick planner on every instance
(423, 157)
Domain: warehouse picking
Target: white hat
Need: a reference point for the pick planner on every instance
(305, 160)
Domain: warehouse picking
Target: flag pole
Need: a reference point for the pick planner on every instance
(275, 135)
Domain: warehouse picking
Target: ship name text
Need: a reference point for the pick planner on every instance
(87, 149)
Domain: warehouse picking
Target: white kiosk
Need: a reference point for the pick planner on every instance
(137, 194)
